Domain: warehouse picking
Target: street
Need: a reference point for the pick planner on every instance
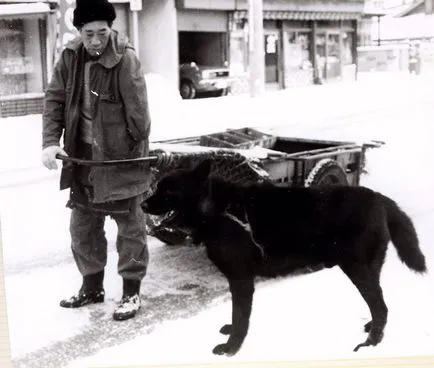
(181, 281)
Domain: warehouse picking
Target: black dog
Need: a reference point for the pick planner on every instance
(265, 230)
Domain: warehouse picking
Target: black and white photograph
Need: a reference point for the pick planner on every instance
(219, 182)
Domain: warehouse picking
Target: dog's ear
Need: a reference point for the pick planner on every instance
(203, 170)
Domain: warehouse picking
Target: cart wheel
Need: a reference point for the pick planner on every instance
(326, 172)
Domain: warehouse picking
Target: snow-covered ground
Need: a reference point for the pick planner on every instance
(318, 316)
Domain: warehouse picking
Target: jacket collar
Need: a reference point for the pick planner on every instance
(112, 54)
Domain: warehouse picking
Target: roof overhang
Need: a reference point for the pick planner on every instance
(345, 6)
(22, 10)
(415, 8)
(371, 10)
(303, 15)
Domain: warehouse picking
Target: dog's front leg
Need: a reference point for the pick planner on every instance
(242, 297)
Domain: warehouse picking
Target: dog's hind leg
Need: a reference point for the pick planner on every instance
(367, 281)
(376, 267)
(242, 298)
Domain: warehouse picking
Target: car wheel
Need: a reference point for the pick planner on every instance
(224, 91)
(187, 90)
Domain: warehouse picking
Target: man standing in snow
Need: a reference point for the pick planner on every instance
(97, 99)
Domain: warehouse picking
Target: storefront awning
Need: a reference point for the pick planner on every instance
(20, 10)
(302, 15)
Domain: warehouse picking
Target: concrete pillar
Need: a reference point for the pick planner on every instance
(135, 30)
(158, 39)
(357, 29)
(429, 6)
(256, 48)
(341, 49)
(379, 31)
(314, 59)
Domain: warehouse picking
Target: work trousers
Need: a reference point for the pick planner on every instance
(88, 241)
(89, 244)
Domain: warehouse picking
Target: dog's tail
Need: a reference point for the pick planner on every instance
(404, 236)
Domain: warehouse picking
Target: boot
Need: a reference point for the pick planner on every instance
(91, 292)
(130, 302)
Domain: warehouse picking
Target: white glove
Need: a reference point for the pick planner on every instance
(48, 156)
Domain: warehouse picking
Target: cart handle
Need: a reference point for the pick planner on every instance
(79, 161)
(374, 144)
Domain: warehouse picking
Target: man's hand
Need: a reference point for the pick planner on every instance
(48, 156)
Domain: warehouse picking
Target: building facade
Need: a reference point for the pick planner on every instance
(407, 25)
(306, 41)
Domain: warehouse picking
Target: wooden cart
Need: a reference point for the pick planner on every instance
(250, 155)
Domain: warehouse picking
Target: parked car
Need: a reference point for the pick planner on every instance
(195, 79)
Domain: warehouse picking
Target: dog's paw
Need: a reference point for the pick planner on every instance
(225, 349)
(220, 349)
(226, 330)
(372, 340)
(363, 344)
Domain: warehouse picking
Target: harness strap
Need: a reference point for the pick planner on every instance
(246, 226)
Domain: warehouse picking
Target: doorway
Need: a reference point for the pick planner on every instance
(271, 45)
(328, 54)
(203, 48)
(333, 55)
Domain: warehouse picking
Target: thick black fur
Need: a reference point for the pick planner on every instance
(290, 228)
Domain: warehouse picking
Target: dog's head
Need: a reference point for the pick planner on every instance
(180, 191)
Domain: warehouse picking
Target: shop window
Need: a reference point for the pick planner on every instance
(333, 56)
(299, 50)
(347, 45)
(320, 52)
(11, 56)
(21, 69)
(333, 48)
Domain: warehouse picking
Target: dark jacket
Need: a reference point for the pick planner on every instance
(121, 121)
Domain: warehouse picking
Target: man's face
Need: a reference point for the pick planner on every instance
(95, 36)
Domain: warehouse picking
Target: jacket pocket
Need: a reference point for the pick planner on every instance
(117, 142)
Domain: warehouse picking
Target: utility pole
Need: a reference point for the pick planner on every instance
(256, 48)
(135, 7)
(429, 5)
